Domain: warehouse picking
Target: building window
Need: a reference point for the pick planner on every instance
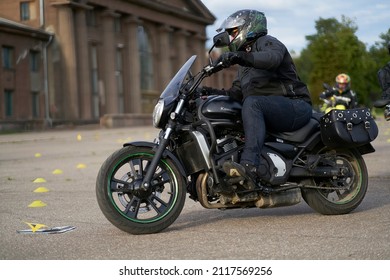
(34, 61)
(8, 57)
(8, 103)
(24, 11)
(146, 59)
(119, 79)
(35, 104)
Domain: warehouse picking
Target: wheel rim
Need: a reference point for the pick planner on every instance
(349, 185)
(130, 201)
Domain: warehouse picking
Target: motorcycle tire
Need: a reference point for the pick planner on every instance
(352, 186)
(128, 207)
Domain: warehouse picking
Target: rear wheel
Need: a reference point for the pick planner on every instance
(341, 194)
(126, 205)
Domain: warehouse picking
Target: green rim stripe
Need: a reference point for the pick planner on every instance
(149, 220)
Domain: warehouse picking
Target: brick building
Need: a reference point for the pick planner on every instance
(97, 58)
(22, 75)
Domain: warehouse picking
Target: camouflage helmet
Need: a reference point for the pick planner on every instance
(343, 82)
(244, 27)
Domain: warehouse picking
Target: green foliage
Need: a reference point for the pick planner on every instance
(336, 49)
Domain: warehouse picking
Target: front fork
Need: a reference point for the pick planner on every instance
(164, 142)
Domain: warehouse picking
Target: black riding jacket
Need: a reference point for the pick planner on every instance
(268, 70)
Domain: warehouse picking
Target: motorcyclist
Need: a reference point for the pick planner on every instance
(273, 96)
(342, 89)
(384, 82)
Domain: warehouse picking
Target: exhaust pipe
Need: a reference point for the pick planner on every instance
(284, 198)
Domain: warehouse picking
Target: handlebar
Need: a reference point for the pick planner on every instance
(342, 98)
(207, 71)
(211, 69)
(336, 97)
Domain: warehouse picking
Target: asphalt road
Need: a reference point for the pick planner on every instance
(69, 160)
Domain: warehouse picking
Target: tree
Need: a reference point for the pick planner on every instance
(334, 49)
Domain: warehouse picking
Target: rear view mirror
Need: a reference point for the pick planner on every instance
(221, 40)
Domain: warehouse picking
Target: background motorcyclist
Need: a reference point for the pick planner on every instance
(341, 93)
(384, 82)
(273, 96)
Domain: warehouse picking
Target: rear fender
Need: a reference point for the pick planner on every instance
(366, 149)
(166, 154)
(316, 140)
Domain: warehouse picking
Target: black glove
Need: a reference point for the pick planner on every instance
(227, 59)
(231, 58)
(323, 95)
(206, 91)
(328, 93)
(203, 91)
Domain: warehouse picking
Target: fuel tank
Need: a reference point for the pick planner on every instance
(221, 107)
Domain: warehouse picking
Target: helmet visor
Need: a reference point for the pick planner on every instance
(231, 22)
(342, 86)
(233, 33)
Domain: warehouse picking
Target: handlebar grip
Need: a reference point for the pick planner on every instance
(211, 69)
(218, 67)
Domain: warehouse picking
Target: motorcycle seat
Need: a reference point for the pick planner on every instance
(301, 134)
(381, 103)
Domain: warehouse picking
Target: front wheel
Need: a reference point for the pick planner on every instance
(340, 194)
(126, 205)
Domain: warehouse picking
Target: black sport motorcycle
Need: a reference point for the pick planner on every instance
(141, 188)
(334, 101)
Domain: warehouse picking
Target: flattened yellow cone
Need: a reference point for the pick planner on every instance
(41, 190)
(79, 137)
(39, 180)
(37, 203)
(57, 171)
(34, 227)
(388, 140)
(81, 166)
(37, 155)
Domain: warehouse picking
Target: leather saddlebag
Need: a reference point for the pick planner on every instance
(348, 128)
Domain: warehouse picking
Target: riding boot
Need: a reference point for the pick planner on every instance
(247, 171)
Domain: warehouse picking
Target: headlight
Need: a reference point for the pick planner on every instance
(157, 113)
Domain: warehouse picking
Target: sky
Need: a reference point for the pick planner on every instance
(291, 20)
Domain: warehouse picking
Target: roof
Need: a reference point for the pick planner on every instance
(189, 9)
(16, 27)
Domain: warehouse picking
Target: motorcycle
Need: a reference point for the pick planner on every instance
(386, 104)
(141, 188)
(333, 101)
